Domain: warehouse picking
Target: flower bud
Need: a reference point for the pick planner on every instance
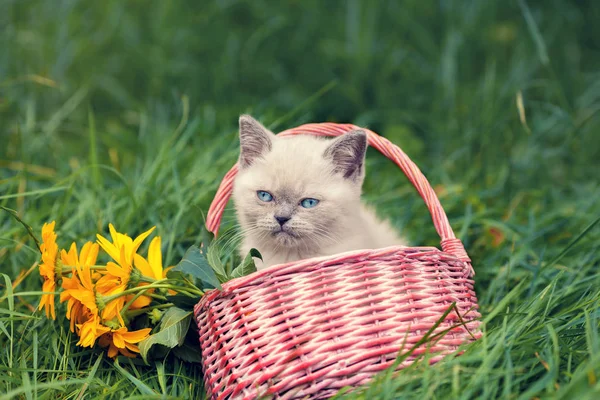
(156, 316)
(134, 278)
(112, 324)
(100, 302)
(58, 267)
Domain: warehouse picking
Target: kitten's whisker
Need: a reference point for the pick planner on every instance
(322, 233)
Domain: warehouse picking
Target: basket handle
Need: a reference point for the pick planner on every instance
(450, 244)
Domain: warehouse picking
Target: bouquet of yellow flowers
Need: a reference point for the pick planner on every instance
(122, 300)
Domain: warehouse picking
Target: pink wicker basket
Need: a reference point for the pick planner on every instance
(308, 328)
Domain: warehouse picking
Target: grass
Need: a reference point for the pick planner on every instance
(126, 112)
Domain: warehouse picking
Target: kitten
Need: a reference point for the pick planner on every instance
(299, 197)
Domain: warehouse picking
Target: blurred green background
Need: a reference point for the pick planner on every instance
(126, 112)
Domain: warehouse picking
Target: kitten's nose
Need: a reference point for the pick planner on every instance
(282, 220)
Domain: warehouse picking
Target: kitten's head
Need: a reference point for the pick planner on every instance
(300, 192)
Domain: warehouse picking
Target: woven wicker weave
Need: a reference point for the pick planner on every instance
(308, 328)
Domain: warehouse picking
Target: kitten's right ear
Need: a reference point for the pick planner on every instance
(347, 153)
(255, 140)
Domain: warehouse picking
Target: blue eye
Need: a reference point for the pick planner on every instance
(264, 196)
(309, 203)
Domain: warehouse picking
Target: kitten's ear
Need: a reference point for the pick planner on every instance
(255, 140)
(347, 153)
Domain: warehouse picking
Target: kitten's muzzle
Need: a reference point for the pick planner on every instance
(284, 231)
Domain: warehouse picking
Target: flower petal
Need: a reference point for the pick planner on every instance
(115, 270)
(140, 302)
(138, 240)
(132, 347)
(89, 254)
(108, 247)
(70, 257)
(141, 264)
(136, 336)
(118, 340)
(155, 258)
(112, 351)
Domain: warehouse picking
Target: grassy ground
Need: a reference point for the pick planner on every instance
(126, 112)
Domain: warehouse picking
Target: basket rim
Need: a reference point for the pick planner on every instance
(299, 266)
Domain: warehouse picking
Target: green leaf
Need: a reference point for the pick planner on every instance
(183, 301)
(212, 255)
(247, 266)
(173, 328)
(194, 263)
(189, 353)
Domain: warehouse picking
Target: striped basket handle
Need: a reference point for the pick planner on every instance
(450, 244)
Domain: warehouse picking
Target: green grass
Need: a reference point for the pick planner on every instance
(125, 112)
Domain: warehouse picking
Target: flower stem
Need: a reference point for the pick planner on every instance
(130, 302)
(135, 313)
(157, 296)
(135, 290)
(188, 291)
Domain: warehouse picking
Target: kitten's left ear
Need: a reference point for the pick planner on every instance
(347, 153)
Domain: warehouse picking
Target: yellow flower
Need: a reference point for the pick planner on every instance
(122, 341)
(122, 247)
(118, 273)
(79, 289)
(49, 250)
(91, 330)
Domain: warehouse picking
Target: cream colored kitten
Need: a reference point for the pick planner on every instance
(299, 197)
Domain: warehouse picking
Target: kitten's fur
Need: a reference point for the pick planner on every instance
(295, 168)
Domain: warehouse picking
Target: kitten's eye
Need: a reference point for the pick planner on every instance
(309, 203)
(264, 196)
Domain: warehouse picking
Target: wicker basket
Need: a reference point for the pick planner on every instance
(308, 328)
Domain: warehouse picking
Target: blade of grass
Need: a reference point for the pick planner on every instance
(94, 149)
(572, 243)
(33, 193)
(142, 387)
(27, 227)
(311, 99)
(90, 377)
